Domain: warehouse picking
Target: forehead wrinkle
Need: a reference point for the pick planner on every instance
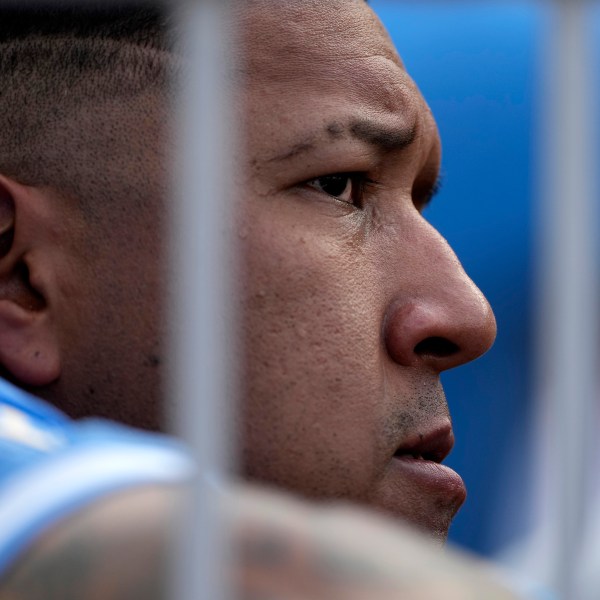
(374, 86)
(296, 150)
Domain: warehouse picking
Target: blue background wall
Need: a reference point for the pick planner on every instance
(477, 65)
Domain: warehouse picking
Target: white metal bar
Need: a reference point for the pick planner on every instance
(202, 289)
(569, 301)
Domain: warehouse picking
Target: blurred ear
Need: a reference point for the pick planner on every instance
(28, 346)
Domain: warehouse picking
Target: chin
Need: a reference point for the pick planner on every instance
(431, 515)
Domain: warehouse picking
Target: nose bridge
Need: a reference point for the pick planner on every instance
(444, 320)
(444, 277)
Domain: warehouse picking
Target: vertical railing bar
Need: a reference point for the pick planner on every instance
(202, 289)
(568, 295)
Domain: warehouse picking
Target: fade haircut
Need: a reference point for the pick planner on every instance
(61, 68)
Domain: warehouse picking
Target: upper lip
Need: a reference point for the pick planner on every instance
(434, 445)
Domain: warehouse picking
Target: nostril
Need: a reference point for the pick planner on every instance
(437, 347)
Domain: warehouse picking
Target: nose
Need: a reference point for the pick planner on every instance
(445, 320)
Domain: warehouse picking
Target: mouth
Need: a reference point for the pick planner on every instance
(417, 464)
(431, 447)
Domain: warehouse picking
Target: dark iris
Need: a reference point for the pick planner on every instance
(334, 185)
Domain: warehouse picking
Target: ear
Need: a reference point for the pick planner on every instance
(29, 351)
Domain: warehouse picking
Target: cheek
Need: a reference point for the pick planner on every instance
(312, 378)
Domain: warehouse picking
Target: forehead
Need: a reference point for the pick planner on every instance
(309, 29)
(309, 60)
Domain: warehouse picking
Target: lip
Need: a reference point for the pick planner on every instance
(418, 460)
(433, 446)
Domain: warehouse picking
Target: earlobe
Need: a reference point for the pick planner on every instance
(28, 349)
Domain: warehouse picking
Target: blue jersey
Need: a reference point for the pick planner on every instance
(50, 466)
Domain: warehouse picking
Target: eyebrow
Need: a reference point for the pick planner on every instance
(375, 134)
(386, 138)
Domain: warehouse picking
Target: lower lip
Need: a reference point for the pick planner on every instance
(432, 477)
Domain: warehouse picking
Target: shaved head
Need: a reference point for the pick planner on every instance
(59, 72)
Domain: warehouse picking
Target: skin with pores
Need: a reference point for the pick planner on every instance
(350, 303)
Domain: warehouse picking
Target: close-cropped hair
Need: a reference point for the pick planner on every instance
(143, 25)
(60, 67)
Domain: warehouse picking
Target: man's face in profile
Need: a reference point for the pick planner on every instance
(352, 303)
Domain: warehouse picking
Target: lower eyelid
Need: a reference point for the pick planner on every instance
(363, 184)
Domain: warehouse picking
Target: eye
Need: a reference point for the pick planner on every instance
(346, 187)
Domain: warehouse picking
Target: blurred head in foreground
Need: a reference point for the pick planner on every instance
(351, 304)
(284, 549)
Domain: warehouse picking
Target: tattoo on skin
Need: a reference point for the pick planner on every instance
(102, 555)
(85, 569)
